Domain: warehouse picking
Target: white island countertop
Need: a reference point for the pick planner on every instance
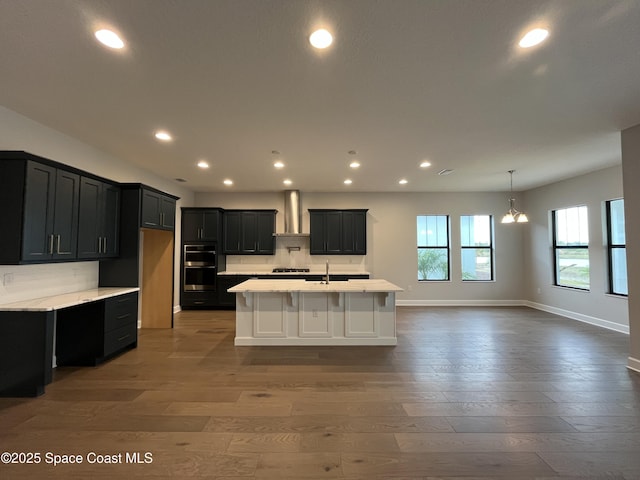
(356, 285)
(57, 302)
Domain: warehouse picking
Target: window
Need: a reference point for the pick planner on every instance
(433, 247)
(616, 246)
(477, 247)
(570, 228)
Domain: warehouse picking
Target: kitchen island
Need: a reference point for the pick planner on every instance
(299, 312)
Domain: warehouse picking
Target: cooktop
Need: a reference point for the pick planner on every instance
(287, 269)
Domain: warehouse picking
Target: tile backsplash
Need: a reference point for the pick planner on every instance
(293, 252)
(24, 282)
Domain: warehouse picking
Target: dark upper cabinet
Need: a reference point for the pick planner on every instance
(201, 224)
(50, 213)
(354, 232)
(249, 232)
(158, 210)
(338, 232)
(231, 231)
(99, 219)
(40, 202)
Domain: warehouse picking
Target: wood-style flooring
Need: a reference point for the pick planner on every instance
(468, 393)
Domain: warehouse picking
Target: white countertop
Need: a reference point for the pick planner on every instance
(65, 300)
(268, 285)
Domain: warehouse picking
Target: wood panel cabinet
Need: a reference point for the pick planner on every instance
(201, 224)
(40, 210)
(158, 210)
(338, 232)
(99, 219)
(249, 232)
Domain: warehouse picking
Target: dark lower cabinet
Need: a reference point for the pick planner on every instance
(26, 341)
(204, 299)
(225, 282)
(88, 334)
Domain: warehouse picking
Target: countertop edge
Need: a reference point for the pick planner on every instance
(65, 300)
(285, 286)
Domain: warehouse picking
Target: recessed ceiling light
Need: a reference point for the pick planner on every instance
(354, 164)
(164, 136)
(287, 182)
(279, 164)
(348, 182)
(533, 37)
(403, 181)
(203, 164)
(109, 38)
(425, 164)
(181, 180)
(321, 38)
(228, 182)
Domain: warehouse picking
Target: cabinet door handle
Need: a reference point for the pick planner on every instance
(58, 247)
(123, 337)
(104, 250)
(51, 244)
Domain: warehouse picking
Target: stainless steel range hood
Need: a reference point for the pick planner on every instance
(292, 215)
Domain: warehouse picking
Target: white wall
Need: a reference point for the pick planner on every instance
(593, 306)
(20, 133)
(391, 239)
(631, 171)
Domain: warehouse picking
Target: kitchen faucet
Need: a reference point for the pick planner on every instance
(326, 276)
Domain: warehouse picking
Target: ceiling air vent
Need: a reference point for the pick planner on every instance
(445, 171)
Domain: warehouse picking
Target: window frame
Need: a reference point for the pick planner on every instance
(556, 248)
(447, 248)
(613, 246)
(489, 247)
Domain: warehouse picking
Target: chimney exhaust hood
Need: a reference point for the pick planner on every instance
(292, 215)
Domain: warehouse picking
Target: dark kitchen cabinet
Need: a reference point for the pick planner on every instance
(88, 334)
(337, 232)
(354, 232)
(158, 210)
(201, 224)
(99, 219)
(249, 232)
(40, 203)
(225, 282)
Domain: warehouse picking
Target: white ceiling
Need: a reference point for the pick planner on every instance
(404, 81)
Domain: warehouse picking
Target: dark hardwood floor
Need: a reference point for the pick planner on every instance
(468, 393)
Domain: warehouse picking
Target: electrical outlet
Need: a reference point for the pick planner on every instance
(314, 313)
(7, 279)
(539, 291)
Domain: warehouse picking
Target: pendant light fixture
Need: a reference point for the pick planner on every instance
(512, 214)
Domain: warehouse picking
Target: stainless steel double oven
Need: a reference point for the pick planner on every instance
(200, 268)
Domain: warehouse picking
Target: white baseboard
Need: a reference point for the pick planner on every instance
(176, 309)
(460, 303)
(633, 364)
(599, 322)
